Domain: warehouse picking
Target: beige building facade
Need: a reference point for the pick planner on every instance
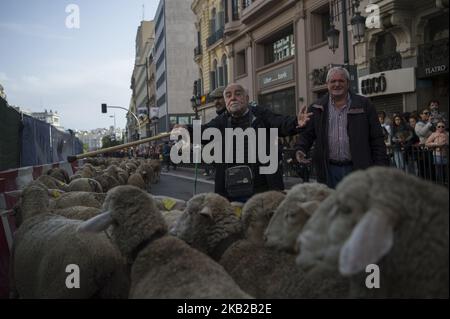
(210, 54)
(140, 83)
(278, 49)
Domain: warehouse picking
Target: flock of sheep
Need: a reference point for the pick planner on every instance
(310, 242)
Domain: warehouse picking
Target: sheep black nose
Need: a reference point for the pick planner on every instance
(265, 238)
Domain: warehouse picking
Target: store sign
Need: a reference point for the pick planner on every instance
(277, 76)
(388, 82)
(437, 69)
(154, 112)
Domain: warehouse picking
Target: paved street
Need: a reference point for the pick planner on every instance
(180, 183)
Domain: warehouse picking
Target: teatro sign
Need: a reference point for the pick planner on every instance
(388, 82)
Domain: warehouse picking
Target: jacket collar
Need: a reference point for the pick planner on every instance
(322, 103)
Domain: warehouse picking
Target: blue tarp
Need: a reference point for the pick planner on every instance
(36, 147)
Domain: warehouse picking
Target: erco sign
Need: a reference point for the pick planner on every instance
(374, 85)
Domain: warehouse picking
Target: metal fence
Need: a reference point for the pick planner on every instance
(429, 163)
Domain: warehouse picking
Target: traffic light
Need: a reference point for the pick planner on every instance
(104, 108)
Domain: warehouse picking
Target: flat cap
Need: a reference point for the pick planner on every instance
(217, 93)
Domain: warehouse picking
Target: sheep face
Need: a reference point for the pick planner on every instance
(292, 214)
(356, 225)
(207, 219)
(257, 212)
(135, 217)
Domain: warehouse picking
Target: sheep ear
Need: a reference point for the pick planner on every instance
(96, 224)
(310, 207)
(206, 211)
(370, 240)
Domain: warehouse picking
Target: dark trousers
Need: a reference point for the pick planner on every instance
(336, 173)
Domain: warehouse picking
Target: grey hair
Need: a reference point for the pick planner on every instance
(336, 69)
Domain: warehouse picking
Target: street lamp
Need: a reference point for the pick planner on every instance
(357, 22)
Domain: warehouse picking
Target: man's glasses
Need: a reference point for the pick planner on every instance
(440, 126)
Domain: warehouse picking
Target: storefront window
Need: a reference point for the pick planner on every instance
(280, 48)
(281, 102)
(183, 120)
(173, 120)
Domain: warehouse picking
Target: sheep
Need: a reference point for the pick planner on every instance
(60, 174)
(85, 185)
(78, 198)
(136, 179)
(171, 217)
(156, 166)
(146, 171)
(292, 214)
(257, 212)
(52, 183)
(209, 224)
(77, 212)
(106, 181)
(45, 244)
(385, 217)
(163, 266)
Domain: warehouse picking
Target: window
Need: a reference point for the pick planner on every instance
(281, 47)
(183, 120)
(246, 3)
(161, 100)
(160, 60)
(320, 24)
(173, 120)
(235, 10)
(281, 102)
(158, 42)
(241, 64)
(161, 80)
(225, 70)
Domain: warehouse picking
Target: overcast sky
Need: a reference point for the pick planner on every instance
(46, 65)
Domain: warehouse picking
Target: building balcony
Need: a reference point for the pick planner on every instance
(256, 8)
(198, 51)
(216, 36)
(386, 62)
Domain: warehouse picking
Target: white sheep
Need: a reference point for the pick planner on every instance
(383, 217)
(46, 244)
(292, 214)
(257, 212)
(85, 185)
(163, 265)
(209, 224)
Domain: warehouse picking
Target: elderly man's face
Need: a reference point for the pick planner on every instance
(338, 85)
(236, 100)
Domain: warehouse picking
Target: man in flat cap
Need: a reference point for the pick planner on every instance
(219, 101)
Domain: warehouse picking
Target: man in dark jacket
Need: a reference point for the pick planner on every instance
(346, 132)
(241, 115)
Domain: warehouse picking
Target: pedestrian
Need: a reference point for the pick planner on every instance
(401, 135)
(239, 181)
(438, 143)
(166, 155)
(423, 130)
(345, 130)
(435, 115)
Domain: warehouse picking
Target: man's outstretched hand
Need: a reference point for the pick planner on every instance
(303, 116)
